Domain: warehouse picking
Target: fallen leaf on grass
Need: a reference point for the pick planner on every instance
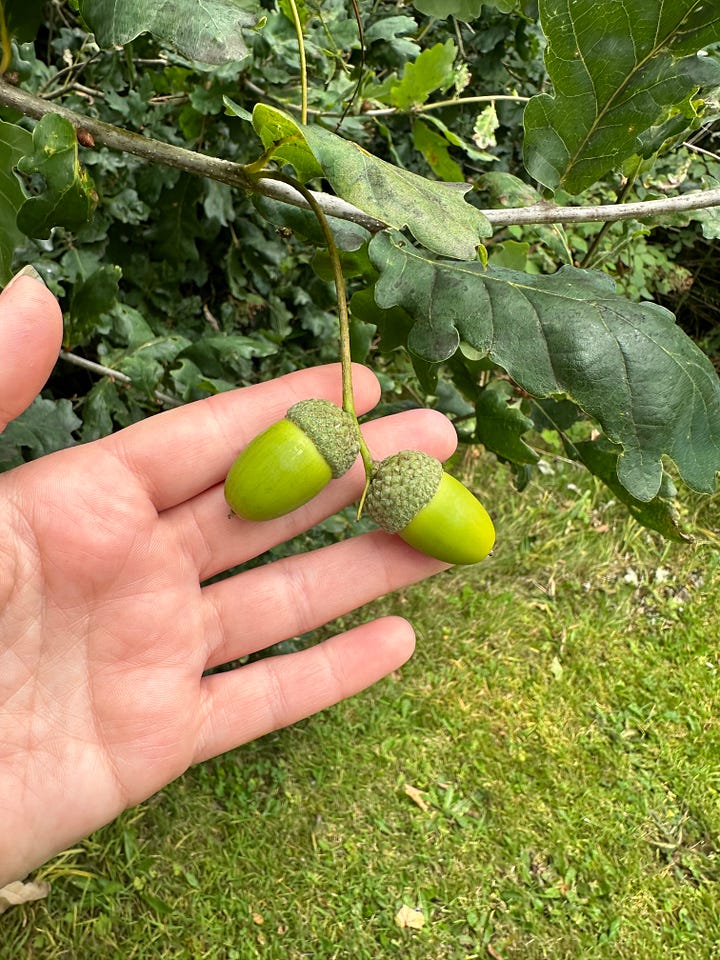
(417, 797)
(18, 892)
(409, 918)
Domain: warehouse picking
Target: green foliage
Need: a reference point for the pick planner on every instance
(46, 426)
(215, 36)
(432, 70)
(562, 336)
(617, 70)
(185, 286)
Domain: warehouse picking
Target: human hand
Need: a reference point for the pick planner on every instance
(106, 628)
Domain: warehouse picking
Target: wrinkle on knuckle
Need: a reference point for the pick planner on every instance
(296, 590)
(278, 701)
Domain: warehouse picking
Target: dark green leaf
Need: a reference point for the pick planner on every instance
(393, 324)
(627, 365)
(23, 17)
(14, 143)
(92, 297)
(211, 33)
(501, 424)
(103, 406)
(391, 30)
(46, 426)
(601, 458)
(361, 337)
(616, 68)
(348, 236)
(68, 198)
(146, 365)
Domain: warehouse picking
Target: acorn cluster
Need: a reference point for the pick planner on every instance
(410, 494)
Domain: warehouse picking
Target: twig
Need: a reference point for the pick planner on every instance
(440, 104)
(104, 371)
(234, 174)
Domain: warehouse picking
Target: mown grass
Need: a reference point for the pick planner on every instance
(542, 780)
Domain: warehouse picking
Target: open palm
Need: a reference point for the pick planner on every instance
(108, 624)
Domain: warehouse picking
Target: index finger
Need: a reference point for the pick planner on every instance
(179, 453)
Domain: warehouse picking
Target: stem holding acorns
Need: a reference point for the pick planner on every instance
(348, 397)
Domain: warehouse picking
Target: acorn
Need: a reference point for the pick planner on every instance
(412, 495)
(292, 460)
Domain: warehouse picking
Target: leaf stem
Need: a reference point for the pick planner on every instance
(303, 61)
(348, 397)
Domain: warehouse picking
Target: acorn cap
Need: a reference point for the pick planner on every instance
(331, 429)
(401, 486)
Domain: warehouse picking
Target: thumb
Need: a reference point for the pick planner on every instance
(30, 337)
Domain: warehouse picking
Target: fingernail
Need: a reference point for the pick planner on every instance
(28, 271)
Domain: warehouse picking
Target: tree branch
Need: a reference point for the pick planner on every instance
(103, 371)
(235, 175)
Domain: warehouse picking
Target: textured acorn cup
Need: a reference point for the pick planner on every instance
(291, 461)
(410, 494)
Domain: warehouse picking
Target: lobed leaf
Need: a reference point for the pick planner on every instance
(626, 365)
(46, 426)
(210, 32)
(600, 457)
(616, 67)
(436, 213)
(432, 70)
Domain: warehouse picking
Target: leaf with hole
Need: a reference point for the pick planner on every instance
(67, 197)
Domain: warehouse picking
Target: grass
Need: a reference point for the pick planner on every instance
(542, 780)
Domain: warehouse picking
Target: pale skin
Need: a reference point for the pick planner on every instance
(106, 628)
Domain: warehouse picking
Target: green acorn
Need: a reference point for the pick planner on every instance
(410, 494)
(292, 460)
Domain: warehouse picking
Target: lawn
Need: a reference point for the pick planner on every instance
(542, 780)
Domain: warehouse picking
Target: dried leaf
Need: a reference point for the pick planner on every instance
(18, 892)
(416, 797)
(410, 918)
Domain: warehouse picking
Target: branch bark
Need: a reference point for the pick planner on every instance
(235, 175)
